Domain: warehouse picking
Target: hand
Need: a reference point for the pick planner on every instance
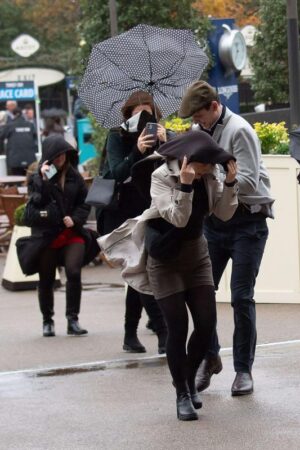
(161, 133)
(232, 171)
(68, 221)
(145, 141)
(45, 167)
(187, 172)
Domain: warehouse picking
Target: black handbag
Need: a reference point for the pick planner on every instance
(162, 239)
(41, 216)
(103, 193)
(29, 252)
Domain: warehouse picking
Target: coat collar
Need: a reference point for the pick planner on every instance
(220, 126)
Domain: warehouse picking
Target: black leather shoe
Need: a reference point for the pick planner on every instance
(133, 345)
(48, 329)
(242, 385)
(75, 329)
(197, 403)
(185, 408)
(208, 367)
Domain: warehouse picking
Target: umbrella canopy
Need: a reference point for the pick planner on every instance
(163, 62)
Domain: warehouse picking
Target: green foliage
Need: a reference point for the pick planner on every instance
(51, 22)
(95, 24)
(269, 56)
(19, 214)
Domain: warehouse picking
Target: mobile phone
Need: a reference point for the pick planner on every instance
(151, 129)
(51, 171)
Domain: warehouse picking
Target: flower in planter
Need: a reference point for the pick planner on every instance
(274, 137)
(177, 125)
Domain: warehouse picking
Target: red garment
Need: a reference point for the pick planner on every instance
(66, 237)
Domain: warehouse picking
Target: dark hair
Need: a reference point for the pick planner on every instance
(140, 98)
(17, 112)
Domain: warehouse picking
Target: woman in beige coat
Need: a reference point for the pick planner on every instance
(165, 252)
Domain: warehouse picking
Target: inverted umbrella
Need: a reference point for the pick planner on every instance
(163, 62)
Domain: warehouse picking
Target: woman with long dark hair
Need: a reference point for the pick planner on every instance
(127, 145)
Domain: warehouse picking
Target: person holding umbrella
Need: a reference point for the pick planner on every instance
(126, 146)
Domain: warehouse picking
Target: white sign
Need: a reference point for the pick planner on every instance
(40, 76)
(249, 32)
(25, 45)
(228, 91)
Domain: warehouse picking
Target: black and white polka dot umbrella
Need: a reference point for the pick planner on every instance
(161, 61)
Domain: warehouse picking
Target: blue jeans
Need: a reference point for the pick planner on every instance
(242, 239)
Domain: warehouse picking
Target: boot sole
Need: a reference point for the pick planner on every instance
(187, 417)
(240, 393)
(71, 333)
(49, 335)
(129, 349)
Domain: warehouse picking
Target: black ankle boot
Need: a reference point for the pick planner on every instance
(75, 329)
(132, 344)
(48, 328)
(185, 408)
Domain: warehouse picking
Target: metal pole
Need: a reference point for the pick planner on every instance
(113, 17)
(38, 119)
(294, 62)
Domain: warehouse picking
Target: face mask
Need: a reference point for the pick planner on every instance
(137, 123)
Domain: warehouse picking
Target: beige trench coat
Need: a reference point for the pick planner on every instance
(125, 246)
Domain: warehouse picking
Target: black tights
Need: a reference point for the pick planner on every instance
(184, 364)
(71, 256)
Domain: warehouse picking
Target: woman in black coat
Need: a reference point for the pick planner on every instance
(67, 243)
(125, 147)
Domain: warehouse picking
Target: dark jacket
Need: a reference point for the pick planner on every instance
(121, 155)
(69, 201)
(21, 143)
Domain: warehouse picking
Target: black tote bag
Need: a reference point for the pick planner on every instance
(103, 193)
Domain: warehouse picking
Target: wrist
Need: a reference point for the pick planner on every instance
(186, 187)
(230, 183)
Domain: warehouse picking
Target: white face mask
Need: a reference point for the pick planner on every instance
(196, 127)
(131, 125)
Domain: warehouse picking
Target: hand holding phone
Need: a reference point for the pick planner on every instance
(51, 171)
(151, 130)
(48, 170)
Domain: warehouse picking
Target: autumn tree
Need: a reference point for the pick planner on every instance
(243, 11)
(95, 24)
(52, 22)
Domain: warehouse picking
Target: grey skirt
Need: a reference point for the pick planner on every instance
(191, 268)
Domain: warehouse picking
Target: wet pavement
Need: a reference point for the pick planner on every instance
(85, 392)
(134, 408)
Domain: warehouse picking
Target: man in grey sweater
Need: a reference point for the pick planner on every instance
(241, 239)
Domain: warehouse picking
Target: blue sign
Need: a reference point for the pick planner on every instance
(226, 85)
(72, 81)
(17, 90)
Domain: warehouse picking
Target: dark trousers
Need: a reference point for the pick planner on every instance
(71, 256)
(242, 239)
(134, 305)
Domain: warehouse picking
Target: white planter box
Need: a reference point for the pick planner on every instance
(13, 278)
(279, 275)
